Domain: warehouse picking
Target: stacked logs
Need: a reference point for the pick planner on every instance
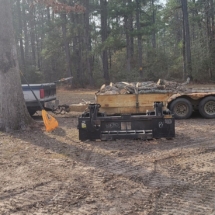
(162, 86)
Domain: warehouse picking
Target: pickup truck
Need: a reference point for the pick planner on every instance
(46, 94)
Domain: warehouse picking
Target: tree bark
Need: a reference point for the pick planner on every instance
(88, 42)
(26, 36)
(38, 50)
(22, 54)
(80, 51)
(186, 30)
(184, 56)
(32, 35)
(49, 74)
(130, 24)
(153, 21)
(74, 18)
(104, 35)
(66, 44)
(139, 39)
(13, 111)
(128, 45)
(212, 40)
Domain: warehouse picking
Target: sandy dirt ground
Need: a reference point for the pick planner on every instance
(55, 173)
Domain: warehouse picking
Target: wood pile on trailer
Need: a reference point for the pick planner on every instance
(162, 86)
(139, 97)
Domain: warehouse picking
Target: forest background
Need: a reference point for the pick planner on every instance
(115, 40)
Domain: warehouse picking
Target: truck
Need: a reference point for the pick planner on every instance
(181, 105)
(46, 94)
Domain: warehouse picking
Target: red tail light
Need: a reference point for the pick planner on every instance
(42, 93)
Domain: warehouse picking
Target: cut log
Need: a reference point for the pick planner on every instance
(130, 89)
(186, 82)
(111, 92)
(148, 83)
(123, 91)
(168, 84)
(162, 86)
(102, 87)
(154, 91)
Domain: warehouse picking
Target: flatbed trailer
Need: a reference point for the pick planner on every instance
(180, 104)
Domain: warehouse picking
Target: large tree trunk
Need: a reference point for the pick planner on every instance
(128, 46)
(211, 39)
(75, 52)
(80, 51)
(32, 36)
(13, 112)
(128, 25)
(184, 57)
(131, 29)
(26, 36)
(153, 21)
(88, 43)
(139, 38)
(77, 48)
(49, 75)
(21, 45)
(186, 30)
(66, 44)
(103, 4)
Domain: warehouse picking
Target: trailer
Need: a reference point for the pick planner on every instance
(95, 125)
(180, 104)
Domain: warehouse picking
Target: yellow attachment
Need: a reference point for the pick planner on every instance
(50, 122)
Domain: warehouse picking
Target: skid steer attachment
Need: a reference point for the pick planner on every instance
(94, 125)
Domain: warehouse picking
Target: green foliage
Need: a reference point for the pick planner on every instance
(44, 34)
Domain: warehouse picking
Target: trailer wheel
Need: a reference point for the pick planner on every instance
(181, 108)
(207, 107)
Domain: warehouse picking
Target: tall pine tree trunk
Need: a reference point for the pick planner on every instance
(139, 39)
(186, 31)
(13, 111)
(130, 24)
(66, 44)
(49, 74)
(32, 36)
(104, 35)
(128, 45)
(80, 51)
(88, 42)
(153, 21)
(212, 39)
(21, 46)
(26, 36)
(74, 19)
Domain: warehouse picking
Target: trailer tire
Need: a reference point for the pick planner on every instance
(207, 107)
(181, 108)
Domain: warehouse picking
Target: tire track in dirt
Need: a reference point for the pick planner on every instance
(193, 192)
(124, 177)
(26, 198)
(48, 198)
(180, 183)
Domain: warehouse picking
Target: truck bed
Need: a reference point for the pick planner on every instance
(45, 93)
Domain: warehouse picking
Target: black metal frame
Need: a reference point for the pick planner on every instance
(94, 125)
